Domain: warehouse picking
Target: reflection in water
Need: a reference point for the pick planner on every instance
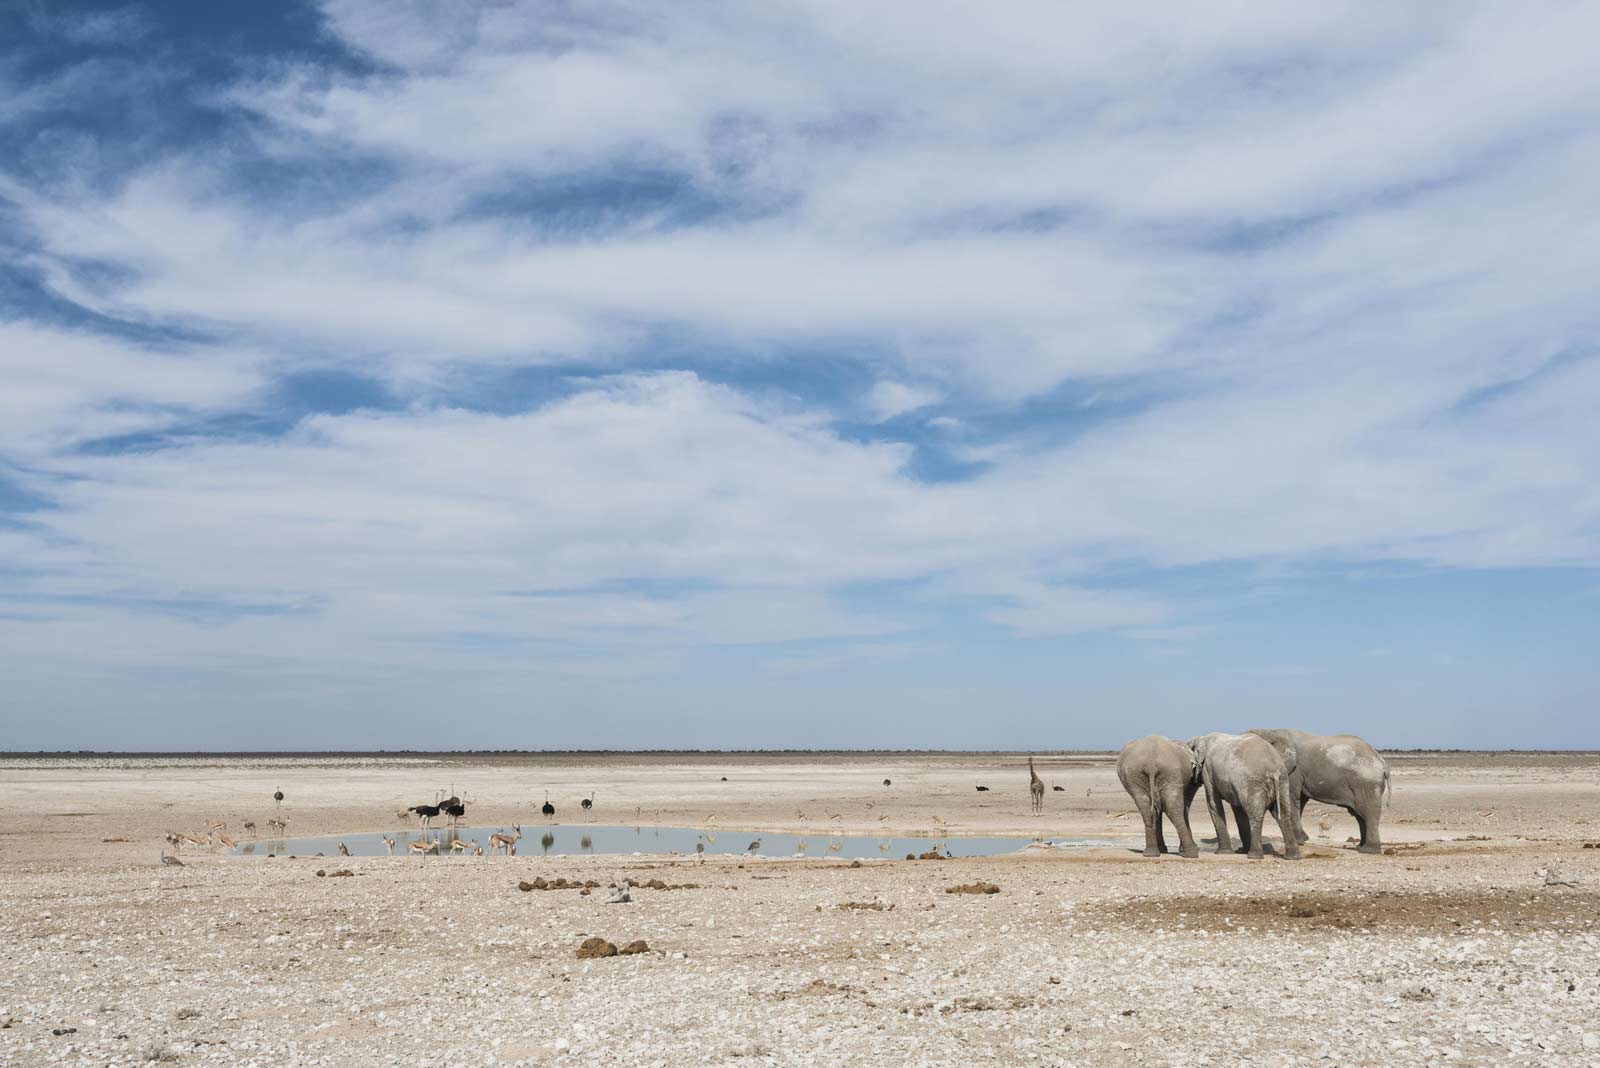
(560, 839)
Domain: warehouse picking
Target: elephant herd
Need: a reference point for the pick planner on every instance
(1254, 773)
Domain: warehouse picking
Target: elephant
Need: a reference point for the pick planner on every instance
(1336, 769)
(1162, 776)
(1248, 773)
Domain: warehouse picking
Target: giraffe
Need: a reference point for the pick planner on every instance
(1036, 788)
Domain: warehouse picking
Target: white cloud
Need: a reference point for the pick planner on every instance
(890, 399)
(1324, 278)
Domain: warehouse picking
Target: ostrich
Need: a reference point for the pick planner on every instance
(547, 808)
(427, 812)
(277, 795)
(1035, 788)
(454, 808)
(887, 782)
(1059, 789)
(983, 789)
(587, 804)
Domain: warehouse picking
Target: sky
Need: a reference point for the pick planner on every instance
(522, 375)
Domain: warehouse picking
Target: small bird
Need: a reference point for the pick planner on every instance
(344, 850)
(700, 851)
(755, 845)
(169, 860)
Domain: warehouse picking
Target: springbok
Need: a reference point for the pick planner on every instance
(216, 825)
(225, 840)
(423, 848)
(250, 827)
(390, 843)
(508, 842)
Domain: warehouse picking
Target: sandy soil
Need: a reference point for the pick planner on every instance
(1453, 950)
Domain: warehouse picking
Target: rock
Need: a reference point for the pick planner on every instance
(638, 945)
(619, 896)
(596, 947)
(855, 864)
(187, 1014)
(973, 888)
(1591, 1041)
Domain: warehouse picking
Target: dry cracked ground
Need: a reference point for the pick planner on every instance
(1476, 942)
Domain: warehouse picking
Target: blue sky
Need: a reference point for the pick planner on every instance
(389, 374)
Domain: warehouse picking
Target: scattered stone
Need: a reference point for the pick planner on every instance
(596, 947)
(855, 864)
(187, 1014)
(64, 1031)
(155, 1052)
(973, 888)
(866, 906)
(619, 895)
(637, 946)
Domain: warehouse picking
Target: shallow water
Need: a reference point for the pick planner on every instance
(582, 839)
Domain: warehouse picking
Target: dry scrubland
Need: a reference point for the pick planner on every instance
(1450, 951)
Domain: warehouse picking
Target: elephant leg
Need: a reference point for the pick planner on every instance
(1300, 820)
(1366, 813)
(1256, 814)
(1241, 819)
(1219, 821)
(1161, 832)
(1172, 802)
(1287, 823)
(1147, 812)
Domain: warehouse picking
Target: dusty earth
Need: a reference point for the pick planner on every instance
(1456, 949)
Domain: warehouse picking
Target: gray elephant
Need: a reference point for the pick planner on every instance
(1336, 769)
(1162, 776)
(1248, 774)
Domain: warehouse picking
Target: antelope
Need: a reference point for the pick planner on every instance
(250, 827)
(216, 825)
(390, 843)
(423, 848)
(193, 840)
(498, 840)
(225, 840)
(458, 845)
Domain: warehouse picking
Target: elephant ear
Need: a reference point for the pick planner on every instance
(1196, 748)
(1291, 759)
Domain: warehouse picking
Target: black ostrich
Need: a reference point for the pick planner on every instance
(886, 782)
(983, 789)
(587, 804)
(547, 808)
(454, 808)
(277, 795)
(427, 812)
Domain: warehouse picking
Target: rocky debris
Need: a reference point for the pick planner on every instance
(866, 906)
(187, 1014)
(932, 854)
(595, 947)
(619, 895)
(657, 884)
(561, 883)
(158, 1053)
(637, 946)
(973, 888)
(59, 1031)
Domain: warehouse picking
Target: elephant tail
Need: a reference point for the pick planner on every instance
(1387, 792)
